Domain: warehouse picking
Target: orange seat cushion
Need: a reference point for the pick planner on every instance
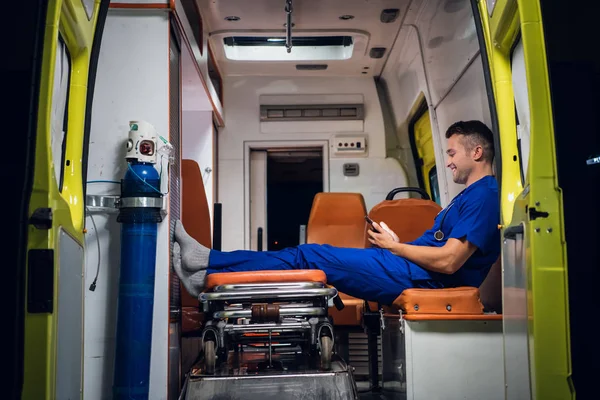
(460, 300)
(351, 314)
(295, 275)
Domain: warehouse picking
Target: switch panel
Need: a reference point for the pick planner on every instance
(351, 145)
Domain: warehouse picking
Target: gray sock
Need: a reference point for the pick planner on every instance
(192, 281)
(194, 256)
(190, 260)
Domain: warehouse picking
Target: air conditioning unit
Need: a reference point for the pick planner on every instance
(312, 112)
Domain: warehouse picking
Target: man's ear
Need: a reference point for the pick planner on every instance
(478, 153)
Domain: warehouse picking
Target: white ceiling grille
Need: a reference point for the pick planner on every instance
(312, 112)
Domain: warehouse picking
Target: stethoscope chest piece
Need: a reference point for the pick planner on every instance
(438, 235)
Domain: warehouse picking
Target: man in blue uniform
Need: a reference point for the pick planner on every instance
(458, 250)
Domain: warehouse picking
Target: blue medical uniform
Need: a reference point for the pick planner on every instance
(378, 275)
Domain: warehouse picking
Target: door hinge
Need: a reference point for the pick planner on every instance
(41, 218)
(535, 214)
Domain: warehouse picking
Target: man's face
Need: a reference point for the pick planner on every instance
(459, 160)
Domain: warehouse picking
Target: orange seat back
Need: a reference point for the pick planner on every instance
(195, 214)
(337, 219)
(409, 218)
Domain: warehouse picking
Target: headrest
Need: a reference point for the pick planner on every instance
(337, 219)
(409, 218)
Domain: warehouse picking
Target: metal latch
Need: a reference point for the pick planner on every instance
(535, 214)
(401, 324)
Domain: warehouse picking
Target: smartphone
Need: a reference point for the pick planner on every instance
(370, 222)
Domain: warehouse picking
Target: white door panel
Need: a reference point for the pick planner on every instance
(258, 198)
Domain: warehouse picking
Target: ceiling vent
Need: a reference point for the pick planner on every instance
(389, 15)
(377, 52)
(311, 67)
(312, 112)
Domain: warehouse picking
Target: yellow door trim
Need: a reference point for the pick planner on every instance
(67, 17)
(547, 291)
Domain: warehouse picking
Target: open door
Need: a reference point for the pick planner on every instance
(536, 304)
(50, 251)
(258, 200)
(422, 143)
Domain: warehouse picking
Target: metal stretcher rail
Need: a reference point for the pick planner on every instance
(265, 286)
(284, 312)
(274, 327)
(267, 294)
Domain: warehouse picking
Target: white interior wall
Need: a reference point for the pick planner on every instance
(405, 82)
(466, 100)
(242, 96)
(439, 58)
(132, 83)
(198, 146)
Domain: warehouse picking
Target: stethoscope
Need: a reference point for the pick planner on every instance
(439, 235)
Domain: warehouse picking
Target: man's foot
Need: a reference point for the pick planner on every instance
(192, 281)
(190, 260)
(194, 256)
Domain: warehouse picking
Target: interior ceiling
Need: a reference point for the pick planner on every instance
(309, 17)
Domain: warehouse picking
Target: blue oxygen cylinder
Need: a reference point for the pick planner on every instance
(139, 214)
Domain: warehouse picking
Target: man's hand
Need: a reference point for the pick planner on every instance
(446, 259)
(385, 238)
(391, 232)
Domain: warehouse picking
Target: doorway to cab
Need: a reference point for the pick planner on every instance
(283, 182)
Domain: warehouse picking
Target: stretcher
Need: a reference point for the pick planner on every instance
(268, 335)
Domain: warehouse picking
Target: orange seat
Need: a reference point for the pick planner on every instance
(410, 218)
(442, 304)
(283, 276)
(195, 217)
(338, 219)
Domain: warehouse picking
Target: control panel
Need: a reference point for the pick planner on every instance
(350, 145)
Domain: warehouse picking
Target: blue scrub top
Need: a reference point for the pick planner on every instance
(474, 214)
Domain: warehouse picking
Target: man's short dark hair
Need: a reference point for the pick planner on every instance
(475, 133)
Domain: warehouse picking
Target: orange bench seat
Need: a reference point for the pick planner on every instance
(461, 303)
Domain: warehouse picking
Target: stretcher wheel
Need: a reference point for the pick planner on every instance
(210, 357)
(326, 351)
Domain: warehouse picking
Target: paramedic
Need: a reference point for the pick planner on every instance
(458, 250)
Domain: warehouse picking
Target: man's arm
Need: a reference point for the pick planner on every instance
(446, 259)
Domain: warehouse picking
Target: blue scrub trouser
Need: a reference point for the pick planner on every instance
(370, 274)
